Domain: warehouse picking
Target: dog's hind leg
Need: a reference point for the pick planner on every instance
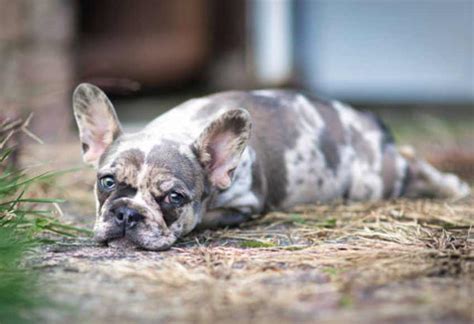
(424, 180)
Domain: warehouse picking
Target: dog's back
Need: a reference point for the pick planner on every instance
(302, 150)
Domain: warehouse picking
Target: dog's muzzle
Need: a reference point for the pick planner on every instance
(126, 217)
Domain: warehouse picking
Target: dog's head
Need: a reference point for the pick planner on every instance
(151, 190)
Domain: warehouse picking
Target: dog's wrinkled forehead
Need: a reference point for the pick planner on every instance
(144, 168)
(127, 165)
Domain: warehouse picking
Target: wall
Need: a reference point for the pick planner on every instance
(396, 51)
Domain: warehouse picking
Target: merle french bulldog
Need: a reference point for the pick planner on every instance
(226, 158)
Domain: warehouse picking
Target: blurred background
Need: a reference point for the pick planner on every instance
(404, 58)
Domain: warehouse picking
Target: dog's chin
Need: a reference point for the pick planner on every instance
(122, 243)
(125, 243)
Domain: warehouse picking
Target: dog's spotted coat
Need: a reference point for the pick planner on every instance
(221, 159)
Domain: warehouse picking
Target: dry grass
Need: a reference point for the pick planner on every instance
(401, 260)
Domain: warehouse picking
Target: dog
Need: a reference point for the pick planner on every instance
(223, 159)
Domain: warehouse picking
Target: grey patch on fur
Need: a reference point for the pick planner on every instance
(274, 124)
(332, 136)
(330, 151)
(347, 190)
(167, 156)
(259, 185)
(361, 146)
(389, 171)
(127, 165)
(131, 157)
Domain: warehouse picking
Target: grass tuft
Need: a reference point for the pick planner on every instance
(24, 221)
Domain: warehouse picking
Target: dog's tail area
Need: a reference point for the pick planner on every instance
(424, 180)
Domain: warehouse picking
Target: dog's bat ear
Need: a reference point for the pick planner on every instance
(221, 144)
(97, 121)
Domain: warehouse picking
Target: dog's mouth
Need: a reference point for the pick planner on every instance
(140, 241)
(123, 243)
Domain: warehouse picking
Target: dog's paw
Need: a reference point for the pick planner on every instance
(455, 188)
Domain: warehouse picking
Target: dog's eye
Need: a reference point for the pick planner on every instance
(107, 183)
(175, 198)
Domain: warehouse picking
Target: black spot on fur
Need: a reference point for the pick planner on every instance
(406, 181)
(346, 193)
(320, 182)
(85, 148)
(387, 133)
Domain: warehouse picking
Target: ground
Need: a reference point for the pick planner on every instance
(391, 261)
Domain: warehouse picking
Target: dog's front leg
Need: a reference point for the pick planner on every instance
(223, 218)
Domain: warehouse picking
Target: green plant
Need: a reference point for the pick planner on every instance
(24, 221)
(17, 284)
(28, 214)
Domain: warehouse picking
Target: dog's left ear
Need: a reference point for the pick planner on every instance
(97, 121)
(221, 144)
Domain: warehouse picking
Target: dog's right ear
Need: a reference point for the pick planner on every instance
(97, 121)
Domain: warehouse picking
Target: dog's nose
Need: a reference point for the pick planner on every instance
(125, 216)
